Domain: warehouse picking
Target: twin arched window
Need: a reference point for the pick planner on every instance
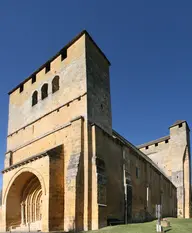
(55, 84)
(44, 90)
(34, 98)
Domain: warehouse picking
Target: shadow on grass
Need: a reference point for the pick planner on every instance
(168, 230)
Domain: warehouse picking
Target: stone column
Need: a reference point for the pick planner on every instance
(94, 198)
(22, 213)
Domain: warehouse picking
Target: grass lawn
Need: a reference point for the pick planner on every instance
(177, 226)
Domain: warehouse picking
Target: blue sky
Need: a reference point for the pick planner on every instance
(149, 44)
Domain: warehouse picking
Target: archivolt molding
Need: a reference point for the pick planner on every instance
(18, 173)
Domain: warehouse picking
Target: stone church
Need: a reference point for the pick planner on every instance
(66, 169)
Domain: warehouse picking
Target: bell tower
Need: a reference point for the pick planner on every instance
(98, 86)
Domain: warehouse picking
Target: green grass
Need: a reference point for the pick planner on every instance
(177, 226)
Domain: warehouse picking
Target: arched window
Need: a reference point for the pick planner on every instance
(34, 98)
(44, 91)
(55, 84)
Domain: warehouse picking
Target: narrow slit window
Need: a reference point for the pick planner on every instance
(102, 181)
(180, 125)
(44, 91)
(33, 80)
(47, 68)
(55, 84)
(35, 98)
(156, 144)
(166, 141)
(137, 173)
(63, 54)
(21, 88)
(147, 147)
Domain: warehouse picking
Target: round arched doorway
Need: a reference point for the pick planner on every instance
(24, 203)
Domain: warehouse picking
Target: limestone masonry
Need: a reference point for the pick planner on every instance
(172, 155)
(66, 169)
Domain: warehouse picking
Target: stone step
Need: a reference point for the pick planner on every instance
(34, 227)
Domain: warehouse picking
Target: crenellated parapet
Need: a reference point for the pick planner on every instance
(172, 154)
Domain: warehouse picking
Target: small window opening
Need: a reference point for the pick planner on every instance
(44, 91)
(67, 105)
(137, 172)
(79, 98)
(100, 166)
(166, 141)
(21, 88)
(63, 54)
(156, 144)
(102, 180)
(47, 68)
(180, 125)
(33, 80)
(34, 98)
(11, 159)
(147, 147)
(55, 84)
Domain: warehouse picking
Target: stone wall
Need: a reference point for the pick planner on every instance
(111, 154)
(59, 172)
(72, 73)
(172, 155)
(45, 125)
(58, 120)
(98, 88)
(56, 188)
(158, 153)
(120, 158)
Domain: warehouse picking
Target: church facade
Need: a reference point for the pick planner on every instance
(65, 167)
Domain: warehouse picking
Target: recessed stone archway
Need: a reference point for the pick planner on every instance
(24, 203)
(18, 173)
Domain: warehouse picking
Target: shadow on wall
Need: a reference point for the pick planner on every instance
(149, 217)
(79, 217)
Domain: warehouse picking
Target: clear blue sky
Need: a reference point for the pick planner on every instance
(149, 44)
